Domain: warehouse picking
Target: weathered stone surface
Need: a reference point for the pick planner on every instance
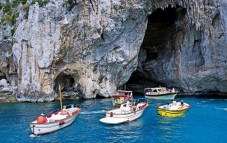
(92, 47)
(195, 58)
(96, 44)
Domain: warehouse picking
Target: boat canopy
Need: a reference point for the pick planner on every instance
(122, 93)
(156, 89)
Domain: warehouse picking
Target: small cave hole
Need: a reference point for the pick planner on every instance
(67, 83)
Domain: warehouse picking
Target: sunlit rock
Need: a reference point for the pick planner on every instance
(92, 47)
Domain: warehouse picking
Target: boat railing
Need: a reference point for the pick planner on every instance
(73, 105)
(139, 100)
(67, 107)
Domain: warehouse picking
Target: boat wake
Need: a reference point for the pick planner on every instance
(225, 109)
(32, 135)
(92, 112)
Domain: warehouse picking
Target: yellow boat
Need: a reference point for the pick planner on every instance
(173, 109)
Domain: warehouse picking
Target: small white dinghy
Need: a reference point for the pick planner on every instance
(55, 121)
(127, 112)
(52, 122)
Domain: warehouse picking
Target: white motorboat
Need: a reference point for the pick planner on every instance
(55, 121)
(52, 122)
(128, 112)
(160, 93)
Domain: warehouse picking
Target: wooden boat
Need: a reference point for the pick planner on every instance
(160, 93)
(127, 112)
(57, 120)
(173, 109)
(122, 96)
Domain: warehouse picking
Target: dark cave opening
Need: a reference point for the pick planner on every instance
(2, 76)
(67, 83)
(161, 28)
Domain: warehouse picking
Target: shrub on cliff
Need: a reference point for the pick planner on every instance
(40, 2)
(25, 7)
(7, 7)
(20, 1)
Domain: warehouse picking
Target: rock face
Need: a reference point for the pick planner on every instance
(194, 57)
(8, 74)
(92, 47)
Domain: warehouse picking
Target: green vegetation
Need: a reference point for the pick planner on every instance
(1, 5)
(7, 7)
(8, 18)
(25, 7)
(14, 17)
(10, 12)
(26, 15)
(40, 2)
(20, 1)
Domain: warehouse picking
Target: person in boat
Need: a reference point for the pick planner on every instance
(182, 103)
(64, 111)
(173, 90)
(125, 107)
(120, 100)
(128, 104)
(174, 103)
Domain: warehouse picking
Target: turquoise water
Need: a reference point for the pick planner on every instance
(205, 122)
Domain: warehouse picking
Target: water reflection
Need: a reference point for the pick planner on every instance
(168, 126)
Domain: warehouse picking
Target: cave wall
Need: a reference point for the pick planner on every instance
(97, 43)
(94, 42)
(194, 59)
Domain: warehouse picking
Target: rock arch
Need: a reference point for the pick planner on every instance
(67, 85)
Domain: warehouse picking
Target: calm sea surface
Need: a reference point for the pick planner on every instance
(205, 122)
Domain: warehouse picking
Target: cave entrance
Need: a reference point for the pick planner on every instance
(162, 28)
(67, 83)
(2, 76)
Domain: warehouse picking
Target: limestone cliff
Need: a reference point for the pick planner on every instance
(194, 57)
(93, 47)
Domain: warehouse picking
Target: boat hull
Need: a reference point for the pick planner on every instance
(123, 118)
(171, 113)
(118, 119)
(162, 96)
(39, 129)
